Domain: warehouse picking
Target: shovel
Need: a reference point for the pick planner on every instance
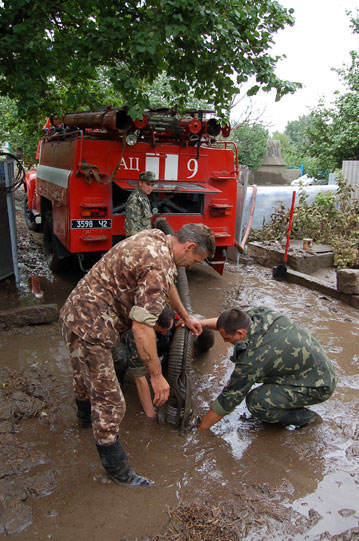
(280, 272)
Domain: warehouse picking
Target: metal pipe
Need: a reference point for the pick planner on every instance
(249, 225)
(12, 220)
(112, 119)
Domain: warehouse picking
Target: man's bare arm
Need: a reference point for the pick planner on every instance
(190, 321)
(209, 420)
(210, 323)
(145, 340)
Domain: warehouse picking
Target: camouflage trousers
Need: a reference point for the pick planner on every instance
(94, 379)
(271, 401)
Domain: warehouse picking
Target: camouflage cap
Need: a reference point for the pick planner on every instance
(147, 176)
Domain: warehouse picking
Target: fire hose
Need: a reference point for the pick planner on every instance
(178, 408)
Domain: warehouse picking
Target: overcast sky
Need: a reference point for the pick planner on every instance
(320, 40)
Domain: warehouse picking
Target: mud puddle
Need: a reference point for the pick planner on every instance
(241, 480)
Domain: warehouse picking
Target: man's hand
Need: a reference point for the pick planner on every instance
(161, 389)
(209, 420)
(194, 325)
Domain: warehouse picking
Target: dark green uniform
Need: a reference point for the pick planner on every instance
(138, 213)
(287, 360)
(126, 357)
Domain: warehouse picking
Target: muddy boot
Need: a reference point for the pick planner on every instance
(296, 418)
(115, 462)
(84, 413)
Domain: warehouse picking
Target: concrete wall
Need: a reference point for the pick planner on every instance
(273, 168)
(268, 176)
(350, 170)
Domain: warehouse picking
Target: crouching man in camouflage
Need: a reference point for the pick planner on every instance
(270, 349)
(126, 358)
(127, 288)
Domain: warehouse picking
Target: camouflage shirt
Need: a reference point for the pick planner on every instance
(275, 350)
(138, 213)
(130, 282)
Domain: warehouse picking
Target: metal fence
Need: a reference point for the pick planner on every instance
(8, 242)
(350, 170)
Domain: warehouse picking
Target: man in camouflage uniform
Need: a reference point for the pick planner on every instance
(126, 357)
(270, 349)
(138, 206)
(127, 288)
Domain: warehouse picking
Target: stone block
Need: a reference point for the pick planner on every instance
(310, 261)
(29, 315)
(268, 255)
(348, 281)
(354, 301)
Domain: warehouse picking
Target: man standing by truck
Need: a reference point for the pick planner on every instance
(127, 288)
(138, 206)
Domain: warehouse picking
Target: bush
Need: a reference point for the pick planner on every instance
(332, 218)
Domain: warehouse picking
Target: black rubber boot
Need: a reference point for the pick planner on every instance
(84, 413)
(115, 462)
(120, 373)
(299, 417)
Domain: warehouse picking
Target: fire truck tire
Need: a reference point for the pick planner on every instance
(53, 260)
(29, 217)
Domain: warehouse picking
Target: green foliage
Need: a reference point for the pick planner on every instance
(332, 218)
(76, 54)
(295, 130)
(290, 153)
(17, 132)
(293, 144)
(160, 94)
(252, 143)
(333, 133)
(330, 134)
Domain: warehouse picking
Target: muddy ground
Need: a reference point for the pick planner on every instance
(241, 480)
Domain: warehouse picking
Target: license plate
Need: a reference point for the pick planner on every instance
(91, 224)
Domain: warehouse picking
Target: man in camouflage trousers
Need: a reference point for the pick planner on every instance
(138, 206)
(127, 288)
(272, 350)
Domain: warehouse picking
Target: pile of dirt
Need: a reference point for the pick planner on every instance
(33, 393)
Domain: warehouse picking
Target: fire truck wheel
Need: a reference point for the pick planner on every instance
(29, 217)
(54, 262)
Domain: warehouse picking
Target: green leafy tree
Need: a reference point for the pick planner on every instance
(290, 152)
(296, 130)
(16, 132)
(251, 141)
(294, 155)
(333, 133)
(53, 54)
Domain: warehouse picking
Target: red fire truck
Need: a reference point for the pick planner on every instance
(89, 163)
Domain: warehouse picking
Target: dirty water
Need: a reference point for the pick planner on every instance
(243, 479)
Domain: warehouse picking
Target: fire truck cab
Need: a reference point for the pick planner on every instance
(89, 164)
